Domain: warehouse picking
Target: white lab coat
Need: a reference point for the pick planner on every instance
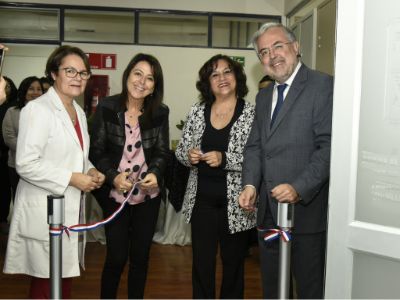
(48, 151)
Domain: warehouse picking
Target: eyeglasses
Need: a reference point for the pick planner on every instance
(72, 73)
(278, 47)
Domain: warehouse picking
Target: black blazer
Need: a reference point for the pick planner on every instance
(107, 135)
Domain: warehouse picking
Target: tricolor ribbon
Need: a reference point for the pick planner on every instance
(273, 234)
(85, 227)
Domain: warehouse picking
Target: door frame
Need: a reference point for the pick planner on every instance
(346, 235)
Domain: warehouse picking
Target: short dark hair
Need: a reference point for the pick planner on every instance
(203, 84)
(266, 78)
(264, 82)
(44, 80)
(55, 59)
(23, 89)
(152, 101)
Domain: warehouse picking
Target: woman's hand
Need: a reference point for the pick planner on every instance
(194, 156)
(149, 182)
(122, 183)
(97, 176)
(3, 95)
(3, 83)
(247, 198)
(83, 182)
(212, 158)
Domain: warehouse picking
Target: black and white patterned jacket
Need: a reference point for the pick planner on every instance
(238, 219)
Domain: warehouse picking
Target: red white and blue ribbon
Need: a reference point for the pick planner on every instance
(86, 227)
(273, 234)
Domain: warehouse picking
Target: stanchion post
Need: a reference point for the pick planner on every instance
(55, 219)
(285, 222)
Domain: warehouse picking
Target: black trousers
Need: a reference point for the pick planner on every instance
(14, 179)
(307, 264)
(5, 190)
(209, 223)
(128, 236)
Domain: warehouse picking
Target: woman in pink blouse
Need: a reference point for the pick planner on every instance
(129, 144)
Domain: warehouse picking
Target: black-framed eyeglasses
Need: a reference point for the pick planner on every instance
(72, 73)
(276, 48)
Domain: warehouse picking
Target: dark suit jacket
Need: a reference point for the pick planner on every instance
(296, 150)
(107, 140)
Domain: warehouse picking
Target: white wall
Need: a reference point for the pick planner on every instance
(290, 5)
(180, 67)
(22, 61)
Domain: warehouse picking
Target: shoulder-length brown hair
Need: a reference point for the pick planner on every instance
(203, 84)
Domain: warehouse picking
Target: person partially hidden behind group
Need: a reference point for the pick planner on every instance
(46, 84)
(264, 82)
(130, 144)
(212, 143)
(5, 185)
(52, 158)
(29, 89)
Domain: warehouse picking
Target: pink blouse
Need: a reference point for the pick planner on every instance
(133, 161)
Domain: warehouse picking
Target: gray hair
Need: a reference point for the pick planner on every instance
(266, 26)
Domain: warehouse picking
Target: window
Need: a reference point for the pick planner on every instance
(21, 23)
(173, 29)
(99, 26)
(235, 32)
(55, 24)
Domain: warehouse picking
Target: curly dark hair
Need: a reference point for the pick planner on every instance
(23, 89)
(152, 101)
(56, 57)
(203, 84)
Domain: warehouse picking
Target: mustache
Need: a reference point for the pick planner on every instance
(276, 60)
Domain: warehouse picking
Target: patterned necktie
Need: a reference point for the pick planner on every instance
(281, 88)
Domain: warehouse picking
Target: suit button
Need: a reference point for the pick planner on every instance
(268, 157)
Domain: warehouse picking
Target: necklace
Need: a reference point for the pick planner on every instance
(135, 114)
(223, 114)
(73, 118)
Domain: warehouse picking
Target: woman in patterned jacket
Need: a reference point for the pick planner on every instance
(212, 143)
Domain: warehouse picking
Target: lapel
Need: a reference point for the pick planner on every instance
(268, 106)
(83, 125)
(296, 88)
(62, 114)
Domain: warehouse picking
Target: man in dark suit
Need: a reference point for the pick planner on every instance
(287, 160)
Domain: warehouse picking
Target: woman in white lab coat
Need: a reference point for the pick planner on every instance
(52, 158)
